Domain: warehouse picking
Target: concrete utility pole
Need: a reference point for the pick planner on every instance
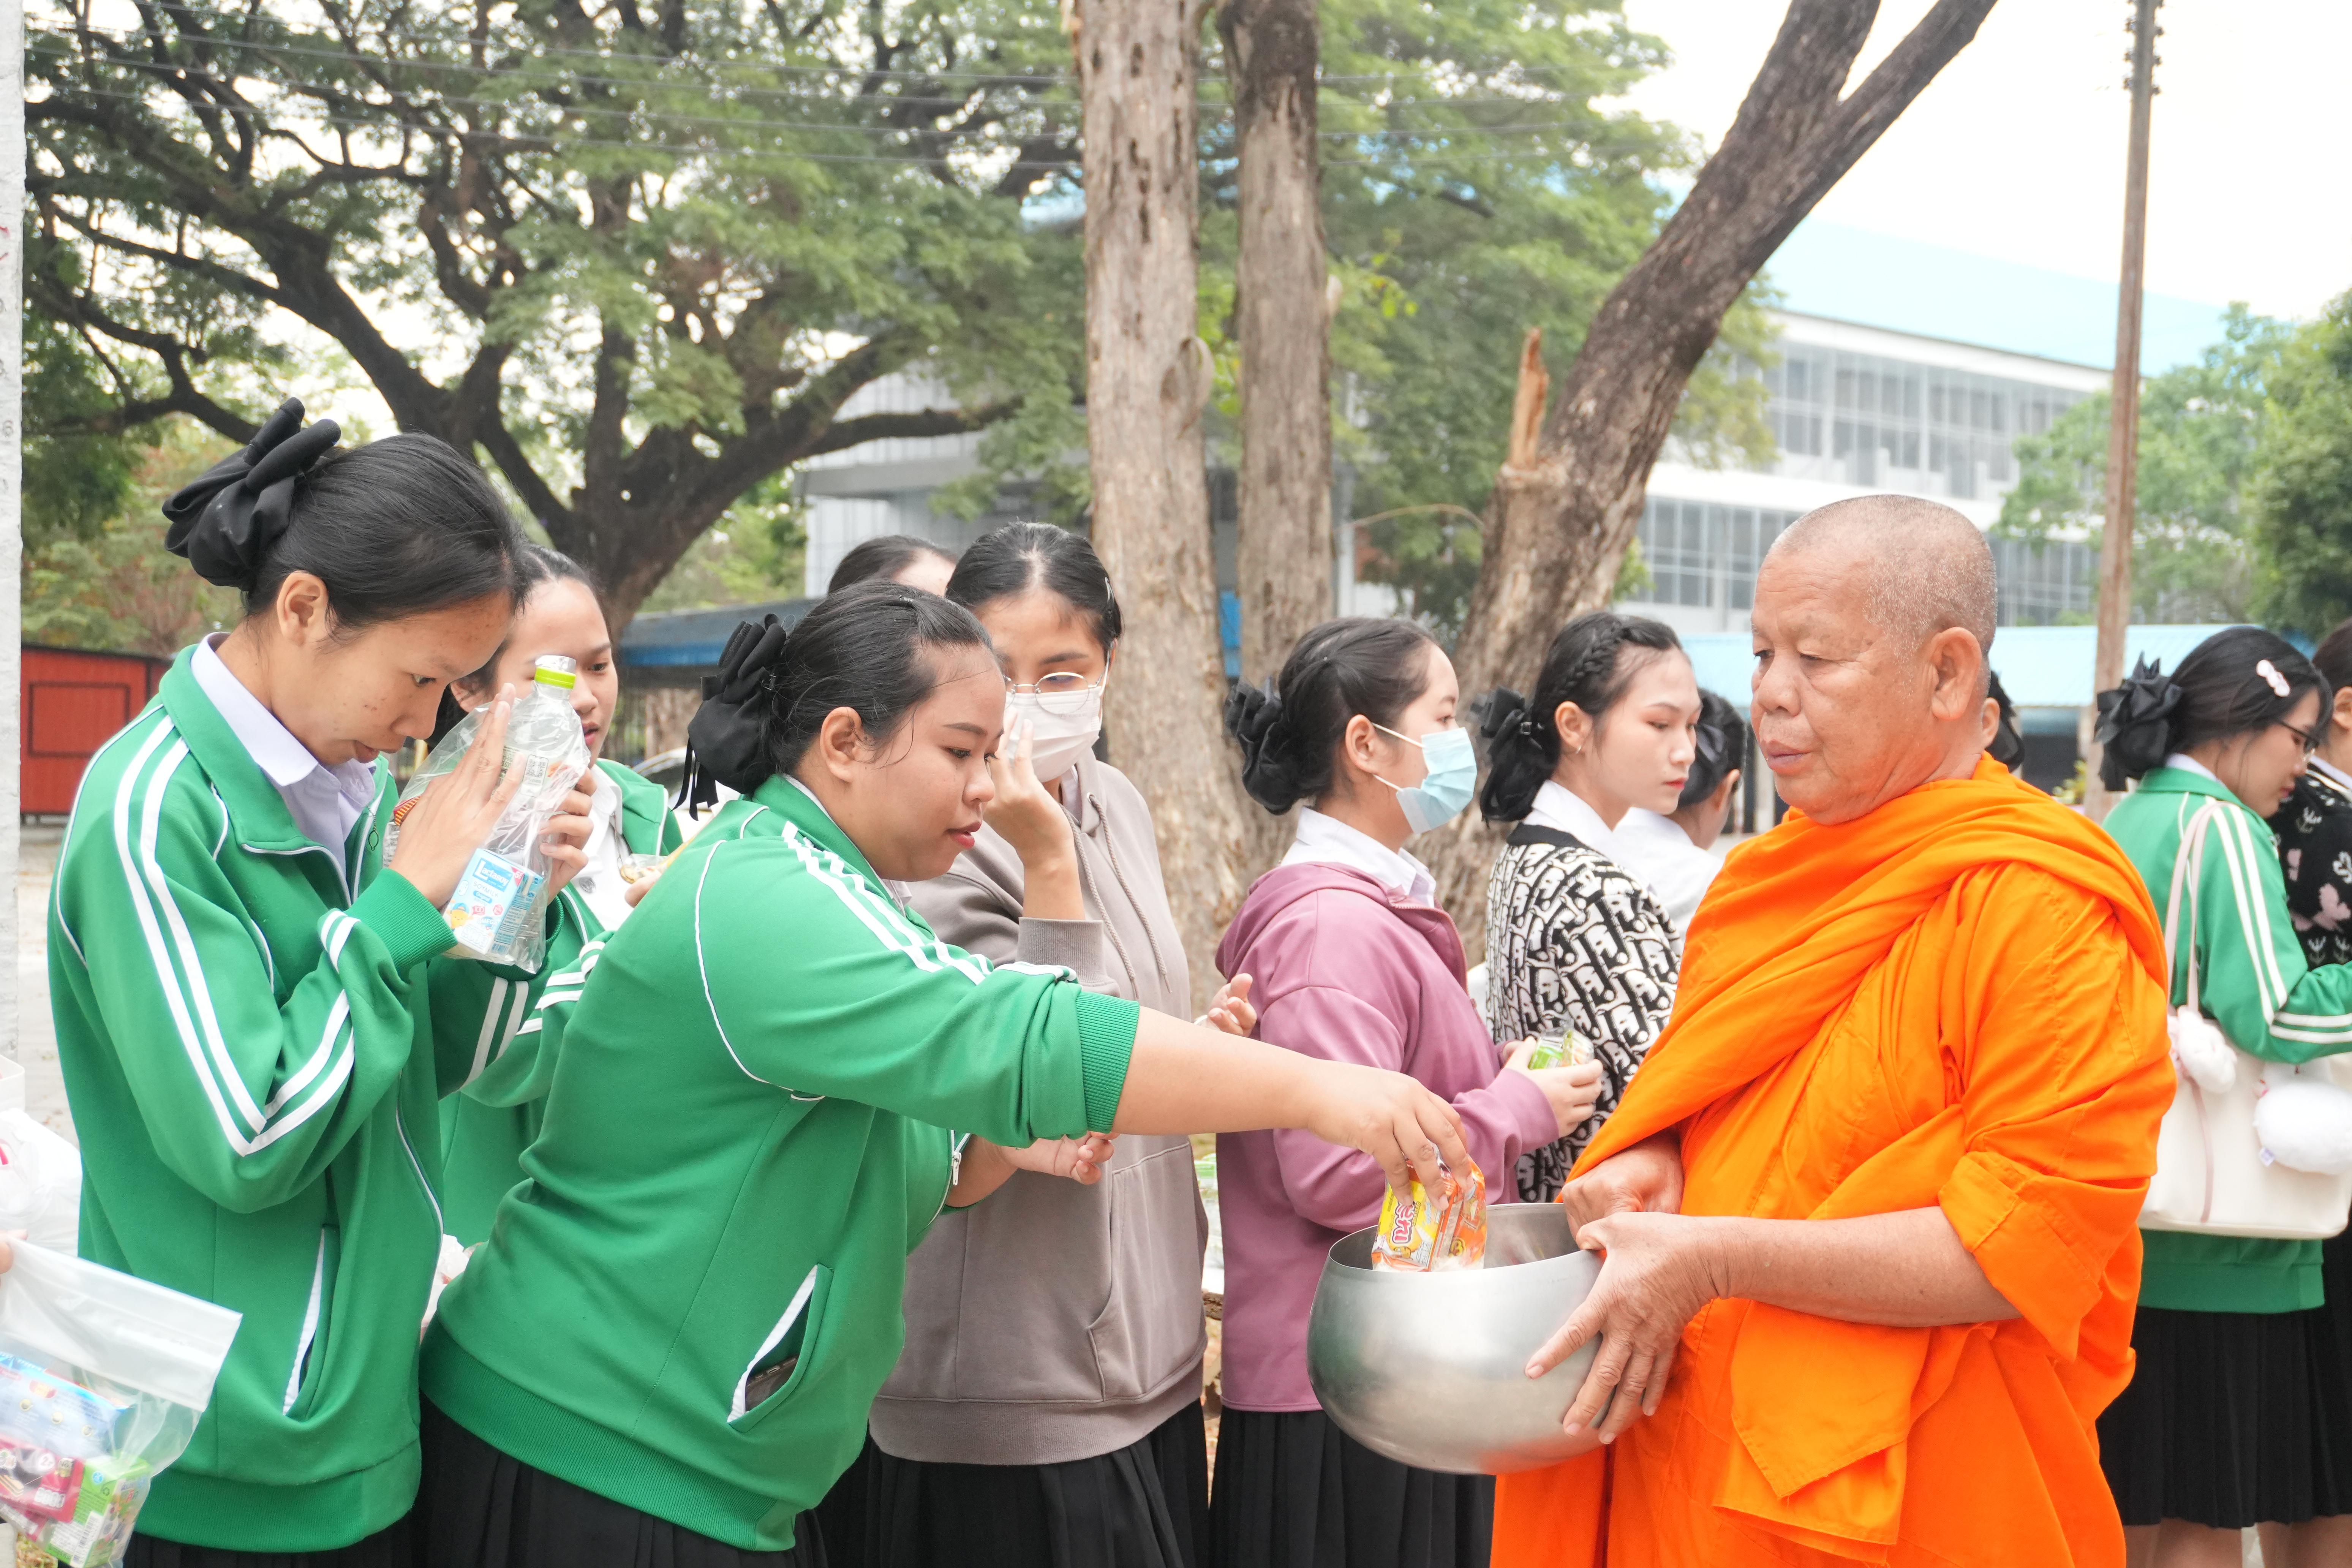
(2122, 433)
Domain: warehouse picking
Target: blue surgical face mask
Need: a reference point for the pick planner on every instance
(1450, 780)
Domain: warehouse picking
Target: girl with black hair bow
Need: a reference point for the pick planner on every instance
(1575, 939)
(665, 1352)
(2228, 1421)
(239, 981)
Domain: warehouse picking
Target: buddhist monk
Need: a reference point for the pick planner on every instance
(1868, 1211)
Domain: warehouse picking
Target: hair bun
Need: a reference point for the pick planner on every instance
(1253, 719)
(2136, 724)
(726, 741)
(225, 522)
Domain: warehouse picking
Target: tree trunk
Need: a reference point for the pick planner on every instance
(1148, 379)
(1285, 556)
(1558, 524)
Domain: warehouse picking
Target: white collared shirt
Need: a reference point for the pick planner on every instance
(1657, 851)
(2189, 765)
(1328, 841)
(599, 880)
(1562, 810)
(323, 801)
(2332, 772)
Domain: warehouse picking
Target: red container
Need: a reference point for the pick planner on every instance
(73, 703)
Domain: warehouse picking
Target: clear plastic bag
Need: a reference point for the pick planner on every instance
(497, 913)
(103, 1379)
(40, 1184)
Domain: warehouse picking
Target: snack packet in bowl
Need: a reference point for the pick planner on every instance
(1420, 1235)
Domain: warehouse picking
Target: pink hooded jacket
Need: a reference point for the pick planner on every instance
(1348, 970)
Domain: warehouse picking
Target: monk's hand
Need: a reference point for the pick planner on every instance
(1656, 1272)
(1401, 1124)
(1646, 1179)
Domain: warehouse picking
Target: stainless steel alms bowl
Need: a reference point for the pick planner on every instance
(1431, 1369)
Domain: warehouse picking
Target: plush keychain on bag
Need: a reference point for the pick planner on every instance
(2305, 1122)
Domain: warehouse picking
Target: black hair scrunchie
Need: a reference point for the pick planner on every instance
(225, 522)
(726, 741)
(2134, 726)
(1509, 713)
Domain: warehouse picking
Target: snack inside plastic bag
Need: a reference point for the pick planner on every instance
(102, 1379)
(1422, 1236)
(1561, 1049)
(496, 914)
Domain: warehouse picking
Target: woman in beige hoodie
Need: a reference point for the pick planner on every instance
(1046, 1413)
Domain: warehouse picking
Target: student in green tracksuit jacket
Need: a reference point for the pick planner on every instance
(665, 1351)
(516, 1035)
(2217, 1429)
(237, 980)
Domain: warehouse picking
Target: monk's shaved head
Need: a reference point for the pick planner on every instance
(1872, 621)
(1929, 568)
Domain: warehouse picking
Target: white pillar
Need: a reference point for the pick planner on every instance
(11, 492)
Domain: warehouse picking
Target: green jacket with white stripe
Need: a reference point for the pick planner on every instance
(516, 1031)
(747, 1137)
(2252, 980)
(240, 1024)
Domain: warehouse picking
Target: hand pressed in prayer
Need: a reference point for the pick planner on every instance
(1646, 1179)
(1657, 1271)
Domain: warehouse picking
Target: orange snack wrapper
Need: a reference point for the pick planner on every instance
(1420, 1235)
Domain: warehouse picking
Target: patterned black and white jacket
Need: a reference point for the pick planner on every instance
(1574, 941)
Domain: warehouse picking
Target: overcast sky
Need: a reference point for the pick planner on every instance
(2017, 149)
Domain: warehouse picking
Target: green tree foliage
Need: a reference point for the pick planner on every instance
(639, 258)
(107, 581)
(2201, 428)
(2302, 492)
(1477, 181)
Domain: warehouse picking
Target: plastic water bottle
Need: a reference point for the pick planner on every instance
(497, 913)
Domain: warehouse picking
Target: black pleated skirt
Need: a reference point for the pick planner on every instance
(394, 1546)
(1143, 1506)
(481, 1508)
(2232, 1419)
(1295, 1491)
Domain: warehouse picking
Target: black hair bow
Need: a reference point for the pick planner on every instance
(1507, 714)
(2008, 744)
(2134, 724)
(226, 522)
(726, 738)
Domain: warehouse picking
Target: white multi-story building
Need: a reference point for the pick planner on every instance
(1902, 367)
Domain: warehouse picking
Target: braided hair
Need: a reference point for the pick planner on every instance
(1290, 728)
(2233, 683)
(1589, 663)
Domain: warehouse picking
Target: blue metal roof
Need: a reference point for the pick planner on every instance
(2040, 667)
(1905, 286)
(670, 639)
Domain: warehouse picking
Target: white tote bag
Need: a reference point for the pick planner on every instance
(2216, 1173)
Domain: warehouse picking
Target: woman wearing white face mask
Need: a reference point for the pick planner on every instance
(1355, 962)
(1046, 1409)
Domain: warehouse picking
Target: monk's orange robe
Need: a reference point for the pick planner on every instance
(1957, 1000)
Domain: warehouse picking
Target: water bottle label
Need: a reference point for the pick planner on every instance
(493, 899)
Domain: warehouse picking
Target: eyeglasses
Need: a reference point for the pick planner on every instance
(1064, 691)
(2310, 738)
